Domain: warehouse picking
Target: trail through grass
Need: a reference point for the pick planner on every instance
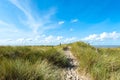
(103, 64)
(48, 62)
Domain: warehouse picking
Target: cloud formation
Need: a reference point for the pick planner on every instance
(38, 40)
(71, 29)
(103, 36)
(37, 24)
(6, 27)
(61, 22)
(14, 35)
(74, 20)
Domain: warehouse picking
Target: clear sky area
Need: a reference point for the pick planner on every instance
(50, 22)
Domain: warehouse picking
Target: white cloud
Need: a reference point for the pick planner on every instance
(38, 40)
(103, 36)
(37, 24)
(9, 31)
(91, 37)
(68, 40)
(71, 29)
(13, 35)
(4, 23)
(6, 27)
(20, 40)
(74, 20)
(61, 22)
(58, 38)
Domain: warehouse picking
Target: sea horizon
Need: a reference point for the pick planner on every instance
(106, 46)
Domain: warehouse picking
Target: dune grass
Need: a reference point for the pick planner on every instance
(31, 63)
(48, 62)
(101, 63)
(24, 70)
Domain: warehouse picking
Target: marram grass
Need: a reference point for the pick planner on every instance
(26, 63)
(101, 63)
(48, 62)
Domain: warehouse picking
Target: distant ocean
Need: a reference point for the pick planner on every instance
(106, 46)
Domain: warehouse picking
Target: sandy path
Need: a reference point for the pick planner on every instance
(71, 71)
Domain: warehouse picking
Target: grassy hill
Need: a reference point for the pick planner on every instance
(48, 62)
(100, 63)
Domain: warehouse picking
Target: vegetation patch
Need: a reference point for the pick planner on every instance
(26, 63)
(100, 63)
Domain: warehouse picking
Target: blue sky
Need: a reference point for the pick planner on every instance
(38, 22)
